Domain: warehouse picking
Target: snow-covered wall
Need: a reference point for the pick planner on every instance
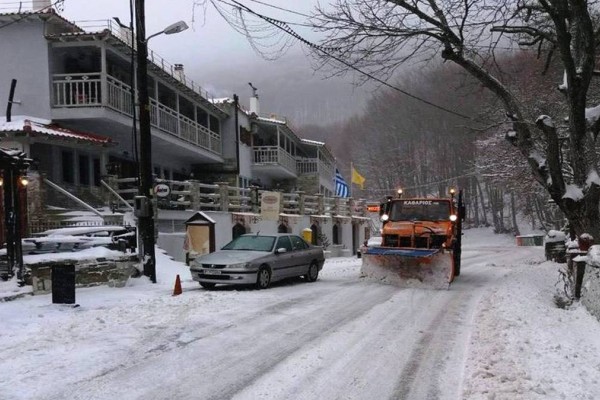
(171, 239)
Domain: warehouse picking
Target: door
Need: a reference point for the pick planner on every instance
(284, 262)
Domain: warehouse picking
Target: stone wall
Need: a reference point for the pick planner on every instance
(590, 293)
(90, 272)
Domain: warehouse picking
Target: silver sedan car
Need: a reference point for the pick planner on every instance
(259, 260)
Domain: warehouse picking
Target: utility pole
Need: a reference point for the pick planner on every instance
(146, 210)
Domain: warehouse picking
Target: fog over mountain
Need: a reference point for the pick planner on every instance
(287, 87)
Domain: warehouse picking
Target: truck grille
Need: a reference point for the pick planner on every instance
(390, 241)
(437, 241)
(421, 242)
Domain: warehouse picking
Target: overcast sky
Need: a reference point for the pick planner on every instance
(223, 61)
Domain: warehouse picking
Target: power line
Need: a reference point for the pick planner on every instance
(284, 26)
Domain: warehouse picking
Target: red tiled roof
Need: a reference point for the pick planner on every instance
(37, 128)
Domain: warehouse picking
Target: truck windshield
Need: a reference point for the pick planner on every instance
(420, 210)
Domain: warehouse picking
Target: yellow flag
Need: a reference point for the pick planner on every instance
(358, 178)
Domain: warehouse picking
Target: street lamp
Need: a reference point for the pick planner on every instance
(177, 27)
(144, 208)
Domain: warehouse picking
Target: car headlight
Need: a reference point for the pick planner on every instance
(238, 265)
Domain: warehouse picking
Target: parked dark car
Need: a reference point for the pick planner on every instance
(259, 260)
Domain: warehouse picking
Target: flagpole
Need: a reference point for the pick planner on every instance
(351, 176)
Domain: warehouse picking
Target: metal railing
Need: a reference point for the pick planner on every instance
(92, 26)
(84, 90)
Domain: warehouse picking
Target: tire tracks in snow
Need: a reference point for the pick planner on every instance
(218, 372)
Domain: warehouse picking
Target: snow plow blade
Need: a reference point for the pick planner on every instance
(408, 268)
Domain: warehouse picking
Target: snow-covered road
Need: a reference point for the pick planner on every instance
(338, 338)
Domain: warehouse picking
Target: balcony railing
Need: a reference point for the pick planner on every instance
(265, 155)
(84, 90)
(313, 165)
(77, 90)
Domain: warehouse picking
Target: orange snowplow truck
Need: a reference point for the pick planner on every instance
(421, 242)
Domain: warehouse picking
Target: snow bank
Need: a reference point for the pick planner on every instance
(524, 347)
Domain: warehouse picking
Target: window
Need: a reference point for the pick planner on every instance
(337, 234)
(251, 243)
(282, 228)
(284, 242)
(68, 175)
(97, 174)
(215, 126)
(238, 230)
(202, 117)
(84, 170)
(298, 243)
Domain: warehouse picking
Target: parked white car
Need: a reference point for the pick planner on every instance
(259, 260)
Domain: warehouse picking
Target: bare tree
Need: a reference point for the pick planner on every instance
(378, 36)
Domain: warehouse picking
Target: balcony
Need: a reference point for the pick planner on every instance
(314, 166)
(275, 161)
(86, 90)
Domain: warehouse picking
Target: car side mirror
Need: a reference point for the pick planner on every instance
(280, 250)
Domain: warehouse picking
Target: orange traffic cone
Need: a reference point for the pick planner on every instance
(177, 289)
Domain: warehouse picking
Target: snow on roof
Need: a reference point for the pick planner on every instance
(83, 230)
(271, 120)
(39, 127)
(222, 100)
(43, 14)
(308, 141)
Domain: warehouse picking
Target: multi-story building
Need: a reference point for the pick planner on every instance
(80, 77)
(73, 111)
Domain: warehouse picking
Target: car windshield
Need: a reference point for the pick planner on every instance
(253, 243)
(420, 210)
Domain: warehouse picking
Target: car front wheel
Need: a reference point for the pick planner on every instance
(263, 279)
(313, 272)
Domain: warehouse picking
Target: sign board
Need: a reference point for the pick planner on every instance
(373, 207)
(63, 284)
(269, 205)
(162, 190)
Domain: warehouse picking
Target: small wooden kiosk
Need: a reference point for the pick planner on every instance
(199, 236)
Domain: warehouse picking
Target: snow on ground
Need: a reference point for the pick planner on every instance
(525, 347)
(521, 345)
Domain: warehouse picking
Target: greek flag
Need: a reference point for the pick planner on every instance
(341, 187)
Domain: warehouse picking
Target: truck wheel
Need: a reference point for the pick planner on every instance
(313, 272)
(263, 278)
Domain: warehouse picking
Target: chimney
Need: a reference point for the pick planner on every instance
(254, 104)
(179, 72)
(41, 5)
